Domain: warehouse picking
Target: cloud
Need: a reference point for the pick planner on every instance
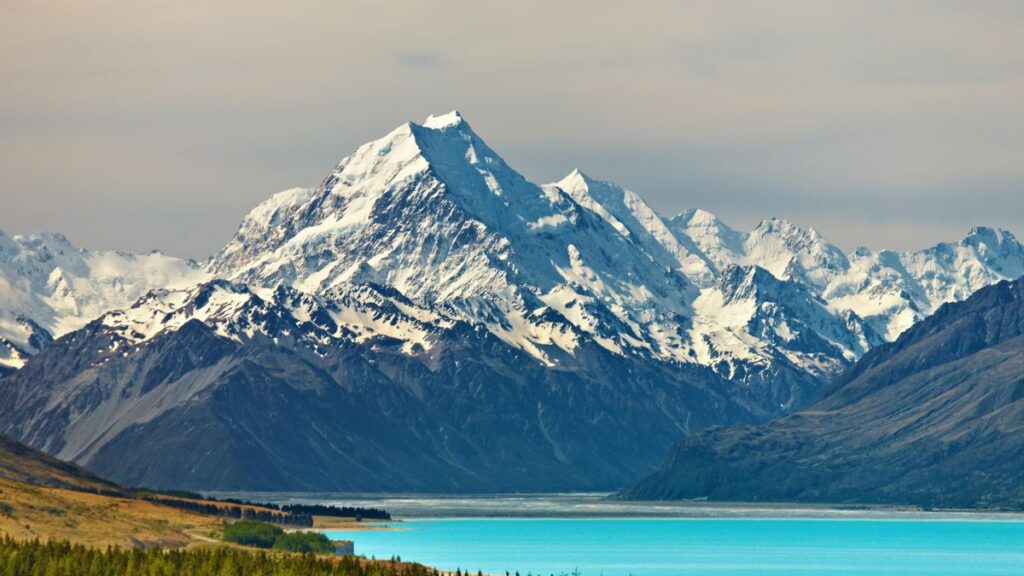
(159, 125)
(419, 59)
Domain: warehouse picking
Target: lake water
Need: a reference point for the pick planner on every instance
(714, 546)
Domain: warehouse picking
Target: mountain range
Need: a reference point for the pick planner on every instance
(935, 419)
(428, 319)
(49, 287)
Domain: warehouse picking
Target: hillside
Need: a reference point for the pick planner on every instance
(934, 419)
(204, 406)
(21, 463)
(43, 497)
(30, 511)
(88, 525)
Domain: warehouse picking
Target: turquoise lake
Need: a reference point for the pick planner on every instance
(722, 547)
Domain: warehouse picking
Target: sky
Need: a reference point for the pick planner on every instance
(159, 124)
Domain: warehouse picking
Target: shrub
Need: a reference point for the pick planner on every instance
(304, 542)
(252, 534)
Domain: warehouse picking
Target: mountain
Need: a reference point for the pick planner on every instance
(895, 290)
(889, 290)
(751, 316)
(216, 387)
(434, 213)
(502, 334)
(22, 339)
(49, 287)
(935, 418)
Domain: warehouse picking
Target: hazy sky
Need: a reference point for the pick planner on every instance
(159, 124)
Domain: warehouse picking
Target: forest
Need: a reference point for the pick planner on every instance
(267, 514)
(35, 558)
(262, 535)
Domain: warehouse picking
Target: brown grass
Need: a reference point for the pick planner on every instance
(31, 511)
(336, 523)
(21, 463)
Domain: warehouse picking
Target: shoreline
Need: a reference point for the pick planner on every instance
(330, 523)
(597, 505)
(669, 546)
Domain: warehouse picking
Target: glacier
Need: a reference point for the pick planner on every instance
(430, 220)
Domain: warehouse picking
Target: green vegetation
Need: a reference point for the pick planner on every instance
(304, 542)
(267, 536)
(38, 558)
(252, 534)
(356, 512)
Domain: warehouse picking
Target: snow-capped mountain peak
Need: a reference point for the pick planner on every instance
(443, 121)
(428, 226)
(49, 287)
(427, 303)
(434, 213)
(788, 251)
(634, 219)
(576, 180)
(995, 245)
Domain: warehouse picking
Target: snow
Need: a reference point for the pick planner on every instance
(428, 228)
(431, 211)
(442, 121)
(45, 279)
(628, 214)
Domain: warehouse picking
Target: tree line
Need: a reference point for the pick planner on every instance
(261, 514)
(35, 558)
(288, 514)
(261, 535)
(320, 509)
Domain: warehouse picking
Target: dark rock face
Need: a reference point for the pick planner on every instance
(191, 409)
(933, 419)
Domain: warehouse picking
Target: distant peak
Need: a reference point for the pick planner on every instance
(774, 225)
(735, 272)
(987, 235)
(985, 231)
(45, 236)
(737, 282)
(697, 216)
(573, 180)
(442, 121)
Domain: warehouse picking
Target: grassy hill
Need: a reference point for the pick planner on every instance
(49, 499)
(21, 463)
(29, 511)
(59, 518)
